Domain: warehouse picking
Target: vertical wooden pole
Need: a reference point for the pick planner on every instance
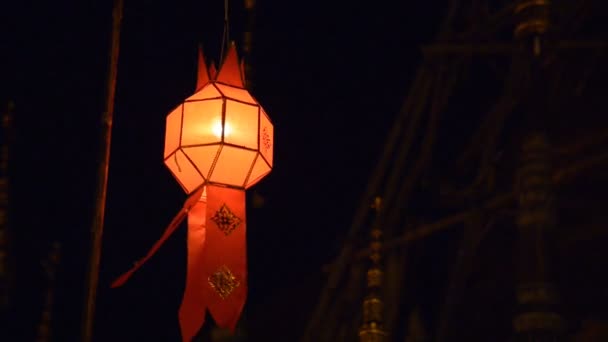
(102, 181)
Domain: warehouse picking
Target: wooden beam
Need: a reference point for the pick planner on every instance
(561, 176)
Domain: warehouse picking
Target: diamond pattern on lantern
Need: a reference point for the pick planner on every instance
(223, 282)
(225, 220)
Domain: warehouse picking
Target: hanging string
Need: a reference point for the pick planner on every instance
(226, 34)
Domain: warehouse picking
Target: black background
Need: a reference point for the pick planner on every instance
(331, 76)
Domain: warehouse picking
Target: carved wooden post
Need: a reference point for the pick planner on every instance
(372, 329)
(537, 298)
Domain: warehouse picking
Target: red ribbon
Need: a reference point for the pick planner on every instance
(216, 276)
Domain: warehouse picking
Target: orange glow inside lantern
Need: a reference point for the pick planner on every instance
(220, 135)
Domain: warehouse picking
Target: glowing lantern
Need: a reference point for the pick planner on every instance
(218, 143)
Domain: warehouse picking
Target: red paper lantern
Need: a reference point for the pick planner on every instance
(218, 143)
(220, 135)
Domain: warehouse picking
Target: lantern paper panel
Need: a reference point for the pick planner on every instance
(224, 171)
(173, 131)
(209, 91)
(190, 178)
(260, 170)
(204, 157)
(266, 138)
(241, 124)
(201, 123)
(238, 94)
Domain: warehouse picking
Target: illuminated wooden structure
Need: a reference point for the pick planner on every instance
(511, 159)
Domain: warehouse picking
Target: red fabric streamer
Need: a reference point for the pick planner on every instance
(225, 255)
(216, 276)
(177, 220)
(192, 309)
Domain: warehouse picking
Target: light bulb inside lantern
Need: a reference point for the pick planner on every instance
(217, 129)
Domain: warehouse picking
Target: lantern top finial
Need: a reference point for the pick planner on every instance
(203, 73)
(212, 71)
(230, 72)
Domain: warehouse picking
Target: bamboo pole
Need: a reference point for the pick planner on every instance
(102, 181)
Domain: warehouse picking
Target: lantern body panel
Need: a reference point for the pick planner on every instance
(235, 93)
(184, 171)
(174, 131)
(207, 92)
(266, 138)
(241, 124)
(233, 166)
(203, 158)
(259, 170)
(202, 122)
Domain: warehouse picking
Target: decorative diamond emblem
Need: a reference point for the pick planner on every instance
(225, 219)
(223, 282)
(266, 143)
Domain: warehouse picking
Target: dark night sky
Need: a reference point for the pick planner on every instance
(332, 77)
